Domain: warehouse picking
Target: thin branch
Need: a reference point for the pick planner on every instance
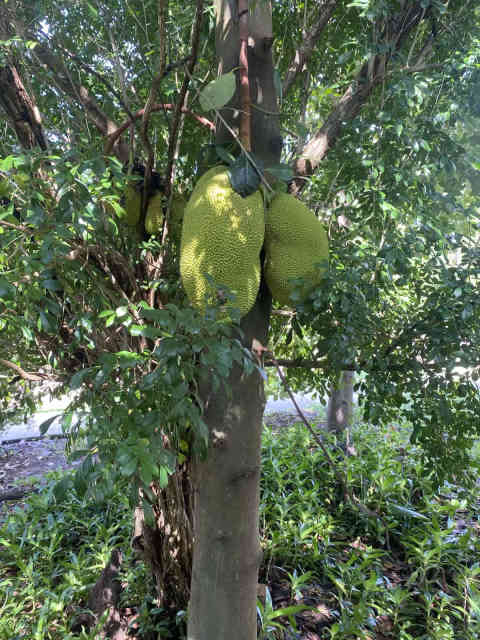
(31, 377)
(18, 227)
(341, 479)
(180, 104)
(21, 109)
(100, 77)
(309, 41)
(245, 114)
(103, 260)
(79, 93)
(162, 15)
(113, 137)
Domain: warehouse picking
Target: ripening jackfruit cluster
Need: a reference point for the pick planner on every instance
(222, 237)
(155, 214)
(155, 211)
(295, 243)
(132, 204)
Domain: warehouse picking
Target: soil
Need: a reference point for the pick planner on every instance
(24, 463)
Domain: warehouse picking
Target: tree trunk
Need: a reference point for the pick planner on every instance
(226, 548)
(167, 546)
(340, 404)
(227, 551)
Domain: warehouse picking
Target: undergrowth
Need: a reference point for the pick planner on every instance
(412, 572)
(330, 570)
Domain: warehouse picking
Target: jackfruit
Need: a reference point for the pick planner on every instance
(154, 215)
(132, 204)
(222, 236)
(295, 241)
(5, 189)
(177, 211)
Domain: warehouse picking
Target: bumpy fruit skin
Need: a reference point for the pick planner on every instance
(177, 212)
(133, 205)
(222, 236)
(154, 215)
(295, 241)
(4, 189)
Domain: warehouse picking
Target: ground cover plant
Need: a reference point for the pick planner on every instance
(329, 571)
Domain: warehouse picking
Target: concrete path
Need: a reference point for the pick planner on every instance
(55, 407)
(31, 427)
(306, 402)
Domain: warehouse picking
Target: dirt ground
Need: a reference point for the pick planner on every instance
(23, 465)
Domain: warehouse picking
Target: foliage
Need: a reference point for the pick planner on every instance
(139, 369)
(419, 579)
(399, 303)
(397, 195)
(328, 557)
(52, 552)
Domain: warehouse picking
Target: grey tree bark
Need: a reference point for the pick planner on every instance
(227, 552)
(340, 404)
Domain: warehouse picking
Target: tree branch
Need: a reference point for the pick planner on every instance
(111, 139)
(48, 59)
(21, 109)
(79, 93)
(18, 104)
(162, 15)
(309, 41)
(100, 77)
(245, 103)
(18, 227)
(31, 377)
(371, 74)
(172, 143)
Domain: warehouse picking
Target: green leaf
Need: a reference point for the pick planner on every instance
(120, 312)
(224, 155)
(44, 427)
(408, 512)
(218, 92)
(6, 289)
(127, 359)
(147, 332)
(77, 379)
(287, 611)
(52, 285)
(163, 477)
(282, 172)
(244, 177)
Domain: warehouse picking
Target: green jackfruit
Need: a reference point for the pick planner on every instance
(154, 215)
(177, 211)
(295, 241)
(222, 236)
(5, 189)
(132, 205)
